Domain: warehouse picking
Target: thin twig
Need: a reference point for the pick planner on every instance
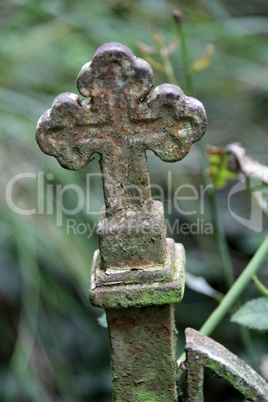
(260, 286)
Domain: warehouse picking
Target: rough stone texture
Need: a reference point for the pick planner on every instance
(136, 267)
(175, 260)
(134, 240)
(120, 120)
(145, 287)
(202, 351)
(143, 350)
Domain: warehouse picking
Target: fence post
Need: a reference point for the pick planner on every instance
(202, 351)
(137, 274)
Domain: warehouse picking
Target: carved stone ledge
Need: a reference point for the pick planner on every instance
(140, 288)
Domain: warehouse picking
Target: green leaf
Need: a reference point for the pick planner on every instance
(219, 170)
(253, 314)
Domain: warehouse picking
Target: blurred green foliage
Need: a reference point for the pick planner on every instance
(52, 347)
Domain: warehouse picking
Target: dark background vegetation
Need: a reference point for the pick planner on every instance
(52, 347)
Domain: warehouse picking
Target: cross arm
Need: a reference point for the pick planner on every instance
(176, 122)
(69, 131)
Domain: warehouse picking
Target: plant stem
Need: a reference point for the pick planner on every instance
(262, 289)
(221, 241)
(168, 66)
(219, 234)
(185, 60)
(237, 288)
(246, 338)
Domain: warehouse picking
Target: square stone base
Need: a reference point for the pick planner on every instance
(133, 239)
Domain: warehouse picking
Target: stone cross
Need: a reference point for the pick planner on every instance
(137, 274)
(120, 120)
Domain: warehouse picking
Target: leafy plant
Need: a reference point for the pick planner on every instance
(253, 314)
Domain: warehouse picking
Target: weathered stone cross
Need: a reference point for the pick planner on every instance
(136, 268)
(120, 122)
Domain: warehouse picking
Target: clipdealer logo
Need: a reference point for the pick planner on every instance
(257, 192)
(187, 200)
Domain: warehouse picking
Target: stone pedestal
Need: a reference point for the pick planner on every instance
(137, 276)
(146, 286)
